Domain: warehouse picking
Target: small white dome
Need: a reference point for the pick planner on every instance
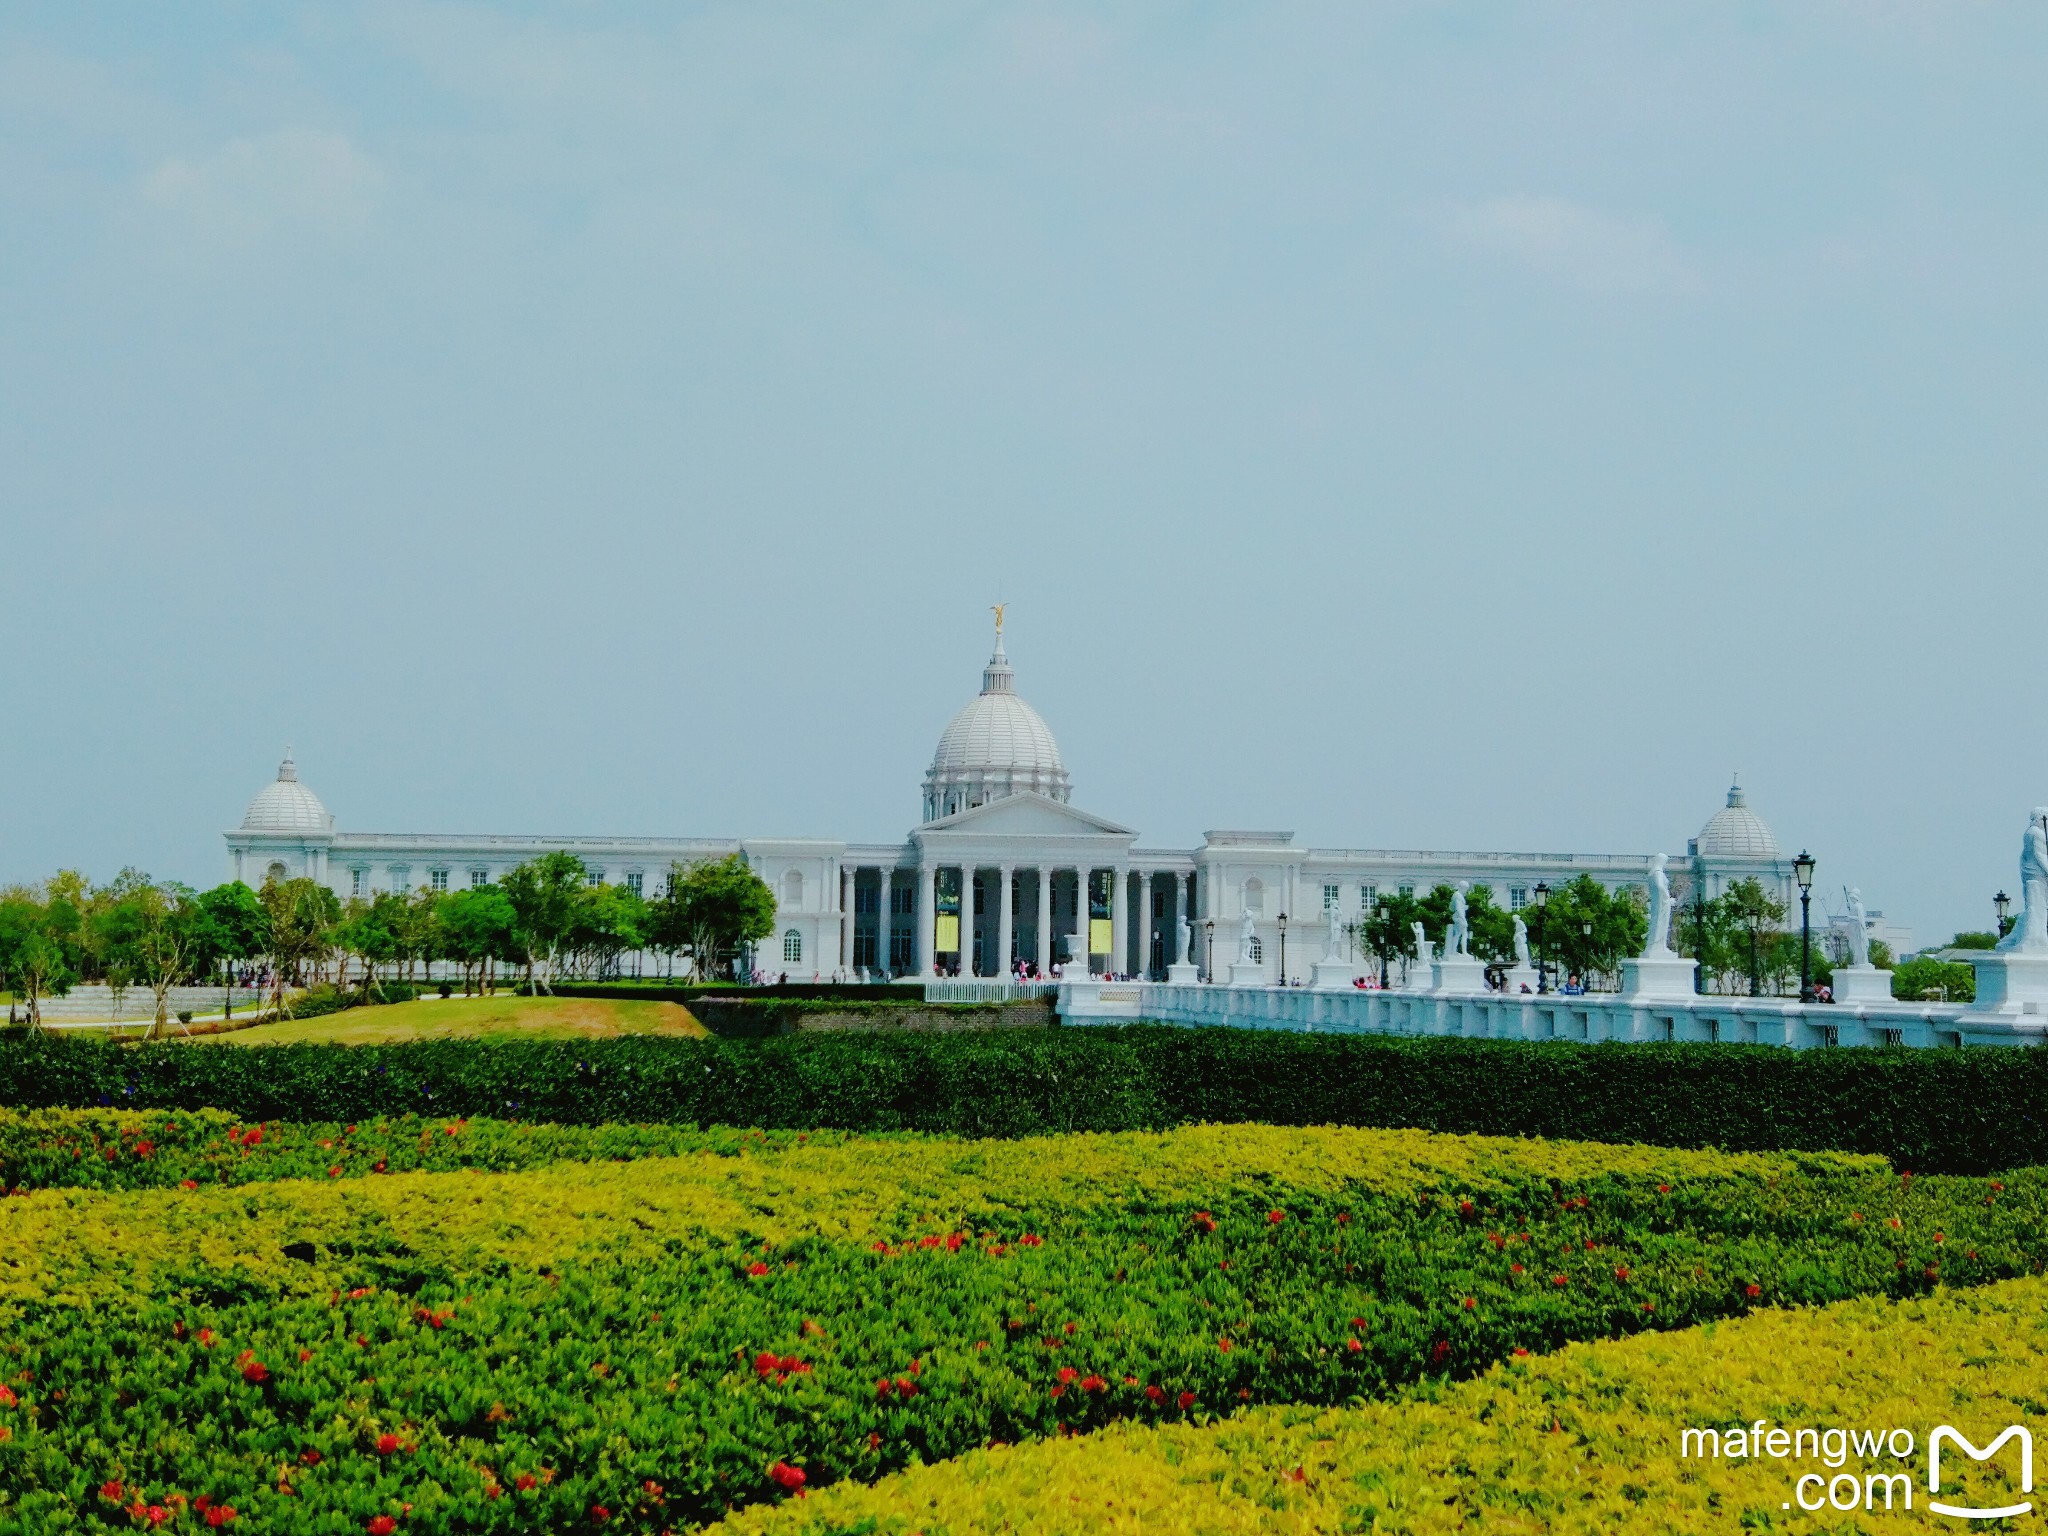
(996, 746)
(1735, 831)
(287, 805)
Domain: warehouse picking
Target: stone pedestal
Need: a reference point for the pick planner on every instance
(1421, 976)
(1520, 977)
(1862, 984)
(1657, 976)
(1248, 973)
(2010, 983)
(1184, 974)
(1333, 976)
(1459, 973)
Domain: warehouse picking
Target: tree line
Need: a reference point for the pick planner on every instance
(545, 918)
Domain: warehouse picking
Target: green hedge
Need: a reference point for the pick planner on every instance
(1957, 1111)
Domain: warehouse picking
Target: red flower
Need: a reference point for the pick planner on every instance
(523, 1481)
(757, 1268)
(7, 1398)
(1521, 1354)
(1464, 1207)
(1187, 1401)
(1354, 1346)
(1663, 1189)
(1441, 1353)
(188, 1183)
(1223, 1345)
(786, 1475)
(381, 1525)
(598, 1513)
(1752, 1291)
(765, 1364)
(1343, 1218)
(1067, 1374)
(386, 1444)
(1156, 1394)
(953, 1243)
(206, 1337)
(253, 1136)
(310, 1458)
(1514, 1269)
(255, 1372)
(1205, 1221)
(1621, 1271)
(1470, 1303)
(334, 1173)
(1276, 1217)
(1030, 1240)
(221, 1514)
(1557, 1280)
(111, 1491)
(1093, 1384)
(156, 1514)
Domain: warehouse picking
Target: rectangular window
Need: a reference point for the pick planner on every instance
(1368, 897)
(358, 881)
(1407, 890)
(1331, 896)
(401, 877)
(593, 877)
(1518, 897)
(438, 879)
(633, 878)
(479, 878)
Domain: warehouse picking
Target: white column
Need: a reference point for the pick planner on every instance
(1180, 921)
(1044, 932)
(1081, 917)
(1005, 926)
(966, 921)
(927, 920)
(1119, 923)
(882, 920)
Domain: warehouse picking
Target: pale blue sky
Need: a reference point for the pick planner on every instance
(1414, 425)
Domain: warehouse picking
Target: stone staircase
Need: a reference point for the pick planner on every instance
(95, 1004)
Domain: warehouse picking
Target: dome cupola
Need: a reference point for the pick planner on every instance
(287, 805)
(996, 746)
(1735, 831)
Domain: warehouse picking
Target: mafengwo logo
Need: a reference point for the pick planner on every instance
(1889, 1488)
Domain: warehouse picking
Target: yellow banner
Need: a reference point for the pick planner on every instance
(1101, 936)
(948, 941)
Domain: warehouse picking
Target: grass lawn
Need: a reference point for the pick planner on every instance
(475, 1018)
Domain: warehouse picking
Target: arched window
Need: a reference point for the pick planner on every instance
(792, 947)
(277, 871)
(793, 889)
(1255, 897)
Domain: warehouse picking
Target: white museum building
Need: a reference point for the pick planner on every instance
(1002, 858)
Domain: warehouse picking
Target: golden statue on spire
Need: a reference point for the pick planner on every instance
(997, 609)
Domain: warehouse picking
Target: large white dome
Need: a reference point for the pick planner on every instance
(1735, 831)
(996, 746)
(287, 805)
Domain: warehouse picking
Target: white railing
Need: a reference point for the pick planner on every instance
(1547, 1016)
(939, 991)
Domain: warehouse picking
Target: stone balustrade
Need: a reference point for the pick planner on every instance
(1547, 1016)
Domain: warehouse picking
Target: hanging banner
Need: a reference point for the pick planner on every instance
(948, 940)
(1101, 936)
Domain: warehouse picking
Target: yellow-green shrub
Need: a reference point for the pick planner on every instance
(1586, 1440)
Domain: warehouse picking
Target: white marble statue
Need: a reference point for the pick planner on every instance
(1246, 935)
(2030, 933)
(1859, 929)
(1522, 943)
(1459, 940)
(1657, 943)
(1333, 940)
(1422, 949)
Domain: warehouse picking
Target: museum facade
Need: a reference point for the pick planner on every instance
(1002, 867)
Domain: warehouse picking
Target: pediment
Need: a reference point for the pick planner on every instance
(1027, 814)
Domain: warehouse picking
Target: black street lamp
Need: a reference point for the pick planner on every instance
(1699, 930)
(1380, 943)
(1283, 949)
(2003, 903)
(1586, 953)
(1209, 946)
(1542, 966)
(1802, 871)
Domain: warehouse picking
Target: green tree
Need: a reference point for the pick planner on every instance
(1588, 930)
(241, 928)
(373, 932)
(1391, 937)
(605, 922)
(543, 896)
(40, 947)
(1925, 979)
(1975, 940)
(479, 927)
(302, 916)
(1756, 915)
(1493, 927)
(154, 933)
(722, 905)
